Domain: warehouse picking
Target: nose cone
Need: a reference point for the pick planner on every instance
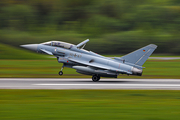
(32, 47)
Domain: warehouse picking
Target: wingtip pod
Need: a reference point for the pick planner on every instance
(153, 46)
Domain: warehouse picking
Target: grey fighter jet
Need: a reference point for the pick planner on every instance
(90, 63)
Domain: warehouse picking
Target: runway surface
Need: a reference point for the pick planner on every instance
(51, 83)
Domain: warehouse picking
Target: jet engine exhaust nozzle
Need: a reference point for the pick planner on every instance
(136, 71)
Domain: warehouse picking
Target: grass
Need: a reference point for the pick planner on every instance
(50, 68)
(10, 52)
(89, 104)
(153, 55)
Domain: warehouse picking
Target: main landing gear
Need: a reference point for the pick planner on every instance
(95, 78)
(61, 72)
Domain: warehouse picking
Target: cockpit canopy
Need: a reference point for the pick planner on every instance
(58, 44)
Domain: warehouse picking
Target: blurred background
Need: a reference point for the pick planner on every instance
(113, 26)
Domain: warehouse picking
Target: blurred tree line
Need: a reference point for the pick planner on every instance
(113, 26)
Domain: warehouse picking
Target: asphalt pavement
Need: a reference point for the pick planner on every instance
(55, 83)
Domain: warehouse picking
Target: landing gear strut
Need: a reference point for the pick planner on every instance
(95, 78)
(60, 72)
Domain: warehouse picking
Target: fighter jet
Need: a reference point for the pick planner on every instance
(90, 63)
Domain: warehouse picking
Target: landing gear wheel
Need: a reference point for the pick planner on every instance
(95, 78)
(99, 78)
(60, 73)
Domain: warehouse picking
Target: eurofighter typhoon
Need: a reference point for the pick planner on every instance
(90, 63)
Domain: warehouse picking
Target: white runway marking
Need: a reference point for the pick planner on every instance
(88, 79)
(56, 83)
(142, 85)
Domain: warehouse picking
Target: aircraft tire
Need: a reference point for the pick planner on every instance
(60, 73)
(95, 78)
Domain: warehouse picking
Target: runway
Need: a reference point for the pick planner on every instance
(54, 83)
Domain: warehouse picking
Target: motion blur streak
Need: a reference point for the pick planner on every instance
(120, 25)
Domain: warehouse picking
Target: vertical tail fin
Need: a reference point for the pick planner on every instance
(139, 56)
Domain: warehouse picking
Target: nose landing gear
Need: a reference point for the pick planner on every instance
(61, 72)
